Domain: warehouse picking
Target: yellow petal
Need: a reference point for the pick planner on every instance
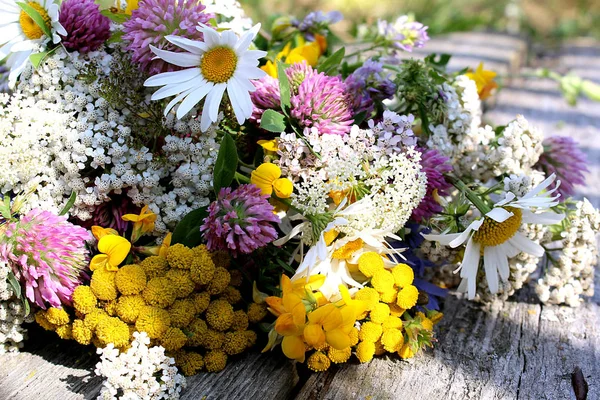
(270, 69)
(333, 320)
(131, 217)
(291, 300)
(314, 335)
(162, 252)
(98, 261)
(337, 339)
(286, 284)
(285, 326)
(293, 347)
(269, 145)
(319, 315)
(264, 176)
(116, 247)
(99, 232)
(283, 188)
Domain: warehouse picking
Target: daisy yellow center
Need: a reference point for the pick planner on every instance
(493, 233)
(32, 30)
(218, 64)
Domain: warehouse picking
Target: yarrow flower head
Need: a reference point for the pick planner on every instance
(47, 254)
(21, 35)
(563, 157)
(496, 236)
(86, 28)
(323, 102)
(404, 34)
(369, 85)
(222, 61)
(435, 165)
(240, 221)
(153, 21)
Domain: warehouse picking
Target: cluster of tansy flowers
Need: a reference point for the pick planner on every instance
(186, 301)
(370, 322)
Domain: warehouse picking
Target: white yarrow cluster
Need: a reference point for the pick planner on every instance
(230, 15)
(12, 315)
(573, 274)
(141, 372)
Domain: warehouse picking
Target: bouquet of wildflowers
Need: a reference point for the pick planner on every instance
(177, 177)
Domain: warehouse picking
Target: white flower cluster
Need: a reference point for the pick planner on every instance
(12, 315)
(572, 275)
(58, 133)
(140, 373)
(231, 15)
(393, 132)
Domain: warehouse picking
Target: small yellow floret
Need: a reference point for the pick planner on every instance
(181, 313)
(103, 284)
(64, 332)
(181, 282)
(201, 301)
(213, 339)
(219, 315)
(256, 312)
(396, 310)
(392, 340)
(251, 337)
(220, 258)
(110, 307)
(128, 307)
(392, 322)
(318, 362)
(40, 318)
(240, 321)
(84, 300)
(219, 282)
(235, 343)
(369, 295)
(353, 335)
(365, 351)
(154, 321)
(190, 363)
(112, 330)
(215, 360)
(130, 279)
(231, 294)
(370, 332)
(383, 281)
(406, 352)
(202, 268)
(403, 275)
(159, 292)
(91, 319)
(179, 256)
(173, 339)
(154, 267)
(380, 313)
(339, 356)
(81, 333)
(196, 331)
(369, 263)
(389, 296)
(407, 297)
(57, 316)
(427, 324)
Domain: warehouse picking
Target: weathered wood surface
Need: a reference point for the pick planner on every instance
(513, 350)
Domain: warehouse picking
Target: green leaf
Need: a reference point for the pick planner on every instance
(439, 61)
(37, 58)
(187, 231)
(226, 163)
(5, 208)
(115, 37)
(36, 17)
(284, 88)
(69, 204)
(115, 17)
(272, 121)
(332, 62)
(14, 283)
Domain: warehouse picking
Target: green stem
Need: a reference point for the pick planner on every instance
(243, 164)
(359, 52)
(392, 67)
(471, 195)
(241, 178)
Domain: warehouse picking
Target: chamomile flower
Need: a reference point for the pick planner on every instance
(496, 236)
(20, 35)
(222, 61)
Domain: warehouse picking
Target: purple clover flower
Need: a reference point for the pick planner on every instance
(155, 19)
(368, 85)
(403, 34)
(435, 165)
(265, 97)
(47, 254)
(240, 221)
(86, 28)
(563, 157)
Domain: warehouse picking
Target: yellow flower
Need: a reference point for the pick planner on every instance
(164, 246)
(484, 80)
(142, 223)
(403, 275)
(365, 351)
(318, 362)
(99, 232)
(267, 178)
(269, 145)
(309, 52)
(369, 263)
(407, 297)
(330, 324)
(114, 249)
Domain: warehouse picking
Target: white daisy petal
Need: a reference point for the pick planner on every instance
(179, 59)
(526, 245)
(475, 225)
(213, 100)
(177, 99)
(167, 78)
(172, 90)
(247, 38)
(193, 46)
(491, 265)
(470, 265)
(193, 98)
(499, 214)
(501, 256)
(442, 239)
(546, 218)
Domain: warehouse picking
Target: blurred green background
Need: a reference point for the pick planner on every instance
(542, 20)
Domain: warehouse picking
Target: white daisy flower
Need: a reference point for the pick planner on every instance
(496, 236)
(221, 62)
(20, 35)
